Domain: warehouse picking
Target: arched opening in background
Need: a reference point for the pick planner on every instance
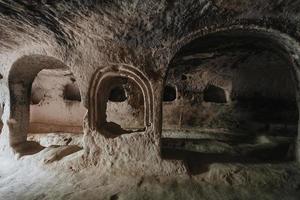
(56, 111)
(122, 106)
(44, 104)
(236, 99)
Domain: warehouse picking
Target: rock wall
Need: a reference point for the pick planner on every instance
(132, 39)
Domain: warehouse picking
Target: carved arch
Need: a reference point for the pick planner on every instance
(98, 92)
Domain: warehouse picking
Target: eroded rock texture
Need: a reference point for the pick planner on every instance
(152, 88)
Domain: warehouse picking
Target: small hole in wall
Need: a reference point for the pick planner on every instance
(71, 92)
(169, 93)
(73, 79)
(117, 94)
(37, 95)
(214, 94)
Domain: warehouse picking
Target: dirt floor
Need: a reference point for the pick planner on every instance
(41, 177)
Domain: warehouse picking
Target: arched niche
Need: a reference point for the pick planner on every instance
(244, 36)
(20, 79)
(104, 81)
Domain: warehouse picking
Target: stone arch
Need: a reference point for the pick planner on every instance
(101, 81)
(20, 79)
(287, 46)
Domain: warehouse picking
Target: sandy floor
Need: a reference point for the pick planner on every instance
(31, 179)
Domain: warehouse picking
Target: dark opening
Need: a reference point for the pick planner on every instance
(117, 94)
(214, 94)
(169, 94)
(183, 77)
(71, 92)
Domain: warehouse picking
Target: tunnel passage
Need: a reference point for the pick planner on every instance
(37, 86)
(237, 100)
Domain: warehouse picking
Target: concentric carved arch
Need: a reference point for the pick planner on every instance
(98, 92)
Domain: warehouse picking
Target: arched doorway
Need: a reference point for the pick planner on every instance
(38, 86)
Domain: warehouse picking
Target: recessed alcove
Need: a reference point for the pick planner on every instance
(124, 107)
(214, 94)
(71, 92)
(37, 95)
